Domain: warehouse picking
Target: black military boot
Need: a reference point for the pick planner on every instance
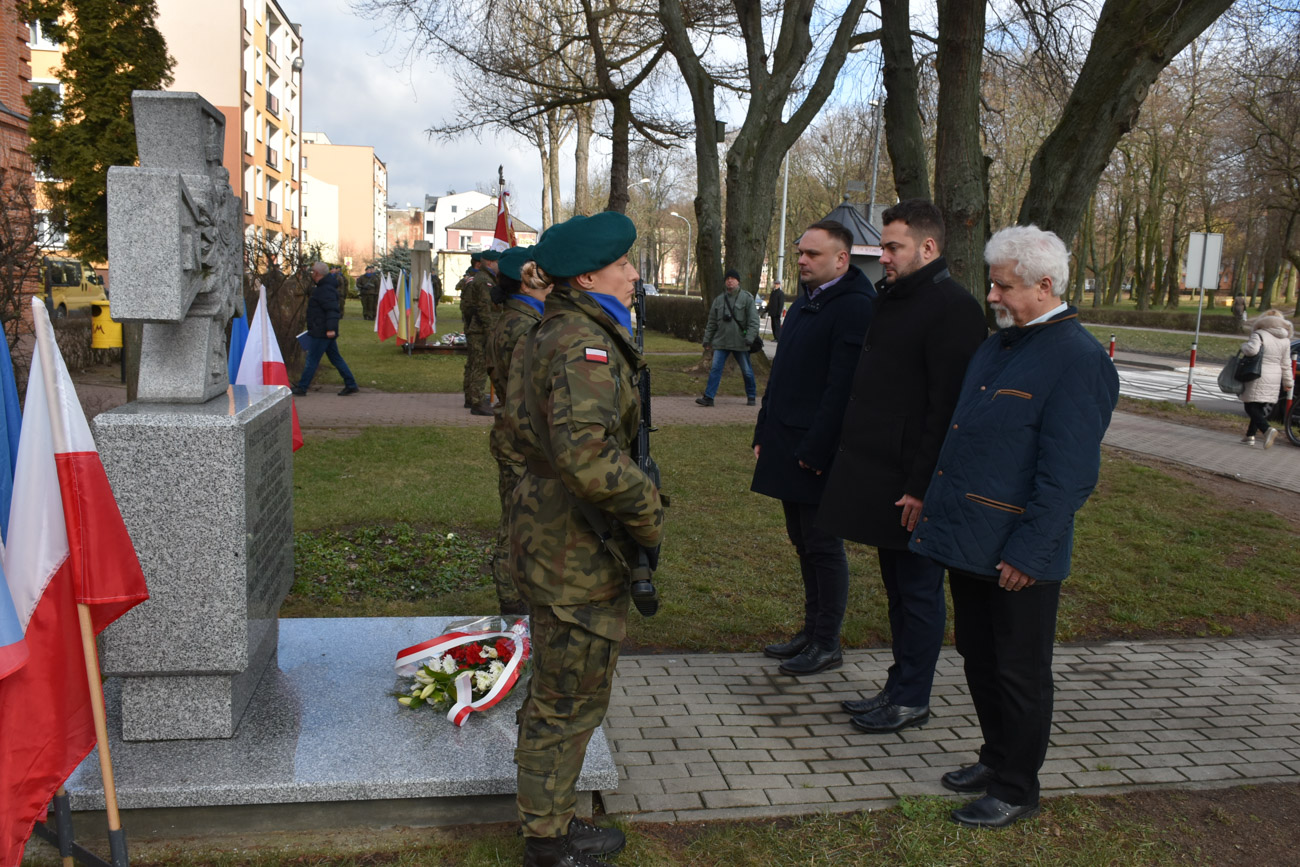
(555, 852)
(592, 839)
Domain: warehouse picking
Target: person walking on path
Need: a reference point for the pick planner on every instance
(323, 314)
(733, 325)
(1270, 337)
(1021, 457)
(775, 307)
(525, 292)
(925, 330)
(573, 411)
(798, 433)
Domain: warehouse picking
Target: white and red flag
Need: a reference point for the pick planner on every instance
(386, 315)
(504, 237)
(67, 547)
(262, 363)
(426, 315)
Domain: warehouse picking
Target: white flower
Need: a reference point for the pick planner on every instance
(448, 665)
(405, 701)
(427, 691)
(482, 681)
(496, 668)
(490, 652)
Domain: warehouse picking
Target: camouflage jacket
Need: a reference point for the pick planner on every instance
(583, 376)
(516, 320)
(368, 284)
(476, 303)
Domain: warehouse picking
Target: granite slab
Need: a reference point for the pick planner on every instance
(323, 727)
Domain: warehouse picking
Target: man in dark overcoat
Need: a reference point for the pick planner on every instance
(775, 307)
(798, 432)
(1021, 458)
(924, 332)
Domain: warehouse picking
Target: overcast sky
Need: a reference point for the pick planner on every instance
(358, 95)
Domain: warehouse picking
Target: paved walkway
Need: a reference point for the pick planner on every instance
(724, 736)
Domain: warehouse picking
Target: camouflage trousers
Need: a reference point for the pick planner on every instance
(476, 378)
(508, 475)
(568, 693)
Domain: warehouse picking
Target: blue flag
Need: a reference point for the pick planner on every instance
(13, 651)
(238, 337)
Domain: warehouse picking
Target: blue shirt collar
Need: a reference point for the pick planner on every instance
(531, 302)
(615, 309)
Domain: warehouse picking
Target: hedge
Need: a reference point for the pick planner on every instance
(679, 316)
(1167, 319)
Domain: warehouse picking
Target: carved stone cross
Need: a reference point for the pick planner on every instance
(175, 246)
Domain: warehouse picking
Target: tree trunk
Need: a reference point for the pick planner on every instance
(555, 140)
(904, 137)
(583, 116)
(1132, 43)
(618, 161)
(960, 167)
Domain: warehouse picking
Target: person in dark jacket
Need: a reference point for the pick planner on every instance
(1020, 459)
(798, 432)
(323, 315)
(926, 328)
(775, 307)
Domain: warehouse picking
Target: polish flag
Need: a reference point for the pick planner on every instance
(504, 237)
(426, 316)
(67, 547)
(262, 363)
(386, 312)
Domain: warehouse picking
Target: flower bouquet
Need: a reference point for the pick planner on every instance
(452, 338)
(471, 667)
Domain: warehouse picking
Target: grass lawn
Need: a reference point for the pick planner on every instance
(1154, 555)
(1167, 343)
(1249, 824)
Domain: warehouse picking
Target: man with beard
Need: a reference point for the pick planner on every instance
(909, 373)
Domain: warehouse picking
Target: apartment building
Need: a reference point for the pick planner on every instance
(441, 211)
(15, 84)
(320, 216)
(362, 181)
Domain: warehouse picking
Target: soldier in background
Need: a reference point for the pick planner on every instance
(524, 293)
(368, 290)
(573, 412)
(476, 311)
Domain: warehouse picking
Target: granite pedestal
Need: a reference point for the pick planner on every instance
(206, 491)
(324, 729)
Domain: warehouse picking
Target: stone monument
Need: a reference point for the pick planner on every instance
(202, 470)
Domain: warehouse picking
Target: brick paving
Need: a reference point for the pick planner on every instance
(725, 736)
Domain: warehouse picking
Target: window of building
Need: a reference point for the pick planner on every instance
(40, 40)
(428, 227)
(453, 209)
(464, 241)
(50, 235)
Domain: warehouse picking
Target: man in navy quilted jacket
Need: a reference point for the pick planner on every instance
(1021, 456)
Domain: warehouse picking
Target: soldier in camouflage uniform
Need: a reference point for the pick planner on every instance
(368, 289)
(524, 294)
(573, 412)
(476, 311)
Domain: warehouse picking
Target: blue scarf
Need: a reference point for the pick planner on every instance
(532, 302)
(615, 309)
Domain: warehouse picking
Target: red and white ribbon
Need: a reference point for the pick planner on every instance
(410, 659)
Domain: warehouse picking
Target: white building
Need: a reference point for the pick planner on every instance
(320, 216)
(441, 211)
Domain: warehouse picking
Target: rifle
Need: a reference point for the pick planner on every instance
(644, 595)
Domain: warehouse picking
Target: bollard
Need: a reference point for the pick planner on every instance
(1191, 370)
(1112, 347)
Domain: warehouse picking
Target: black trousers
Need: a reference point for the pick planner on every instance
(825, 571)
(1258, 413)
(776, 328)
(917, 616)
(1005, 638)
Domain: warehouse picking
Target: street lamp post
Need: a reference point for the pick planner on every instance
(641, 250)
(686, 283)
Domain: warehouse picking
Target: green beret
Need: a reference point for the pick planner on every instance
(582, 244)
(490, 255)
(476, 255)
(512, 262)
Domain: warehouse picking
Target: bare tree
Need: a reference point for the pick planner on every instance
(20, 252)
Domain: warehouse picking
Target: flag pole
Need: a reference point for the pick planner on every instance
(410, 327)
(116, 837)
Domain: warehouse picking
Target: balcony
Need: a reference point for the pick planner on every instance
(273, 104)
(273, 211)
(272, 158)
(272, 54)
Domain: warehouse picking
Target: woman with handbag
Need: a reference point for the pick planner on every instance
(1270, 346)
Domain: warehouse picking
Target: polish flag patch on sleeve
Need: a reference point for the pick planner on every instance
(600, 356)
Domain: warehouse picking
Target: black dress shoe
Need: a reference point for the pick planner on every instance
(891, 718)
(588, 839)
(299, 391)
(970, 779)
(556, 852)
(787, 649)
(865, 705)
(989, 812)
(704, 401)
(351, 389)
(812, 659)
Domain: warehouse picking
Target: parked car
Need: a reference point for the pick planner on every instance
(72, 285)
